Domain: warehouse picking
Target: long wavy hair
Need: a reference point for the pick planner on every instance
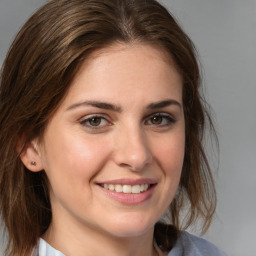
(35, 77)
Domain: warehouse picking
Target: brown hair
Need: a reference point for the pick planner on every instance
(35, 77)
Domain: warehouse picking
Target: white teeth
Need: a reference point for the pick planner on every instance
(127, 189)
(111, 187)
(118, 188)
(136, 189)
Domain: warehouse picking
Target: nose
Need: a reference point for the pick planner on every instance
(132, 150)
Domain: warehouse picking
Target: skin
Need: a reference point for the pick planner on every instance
(130, 141)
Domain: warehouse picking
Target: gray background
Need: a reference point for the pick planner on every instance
(224, 32)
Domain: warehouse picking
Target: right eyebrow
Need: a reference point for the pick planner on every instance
(96, 104)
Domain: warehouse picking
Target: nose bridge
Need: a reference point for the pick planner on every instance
(132, 149)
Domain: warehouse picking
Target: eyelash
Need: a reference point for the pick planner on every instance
(166, 118)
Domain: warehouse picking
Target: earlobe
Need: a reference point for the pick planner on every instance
(31, 157)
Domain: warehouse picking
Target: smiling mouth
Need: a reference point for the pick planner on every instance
(127, 189)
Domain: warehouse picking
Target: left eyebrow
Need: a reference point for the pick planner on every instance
(163, 104)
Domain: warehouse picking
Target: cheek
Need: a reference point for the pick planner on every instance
(73, 160)
(170, 154)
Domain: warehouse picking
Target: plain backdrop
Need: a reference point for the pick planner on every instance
(224, 32)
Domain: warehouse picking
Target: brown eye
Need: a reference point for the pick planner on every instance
(160, 120)
(156, 120)
(95, 121)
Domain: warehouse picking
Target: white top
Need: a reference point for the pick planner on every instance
(186, 245)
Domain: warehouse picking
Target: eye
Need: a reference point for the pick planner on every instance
(160, 119)
(94, 122)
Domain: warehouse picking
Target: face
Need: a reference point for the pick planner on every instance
(113, 151)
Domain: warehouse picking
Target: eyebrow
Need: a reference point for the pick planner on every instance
(96, 104)
(163, 104)
(108, 106)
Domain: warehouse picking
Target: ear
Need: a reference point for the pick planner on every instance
(31, 157)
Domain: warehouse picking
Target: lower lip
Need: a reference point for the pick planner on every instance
(130, 199)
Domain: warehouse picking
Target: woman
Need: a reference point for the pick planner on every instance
(101, 132)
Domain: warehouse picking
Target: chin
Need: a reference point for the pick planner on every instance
(129, 232)
(131, 227)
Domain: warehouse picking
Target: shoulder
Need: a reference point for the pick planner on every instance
(44, 249)
(190, 245)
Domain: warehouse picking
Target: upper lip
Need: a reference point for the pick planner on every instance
(127, 181)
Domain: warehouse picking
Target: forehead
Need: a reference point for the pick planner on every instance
(154, 51)
(121, 70)
(121, 57)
